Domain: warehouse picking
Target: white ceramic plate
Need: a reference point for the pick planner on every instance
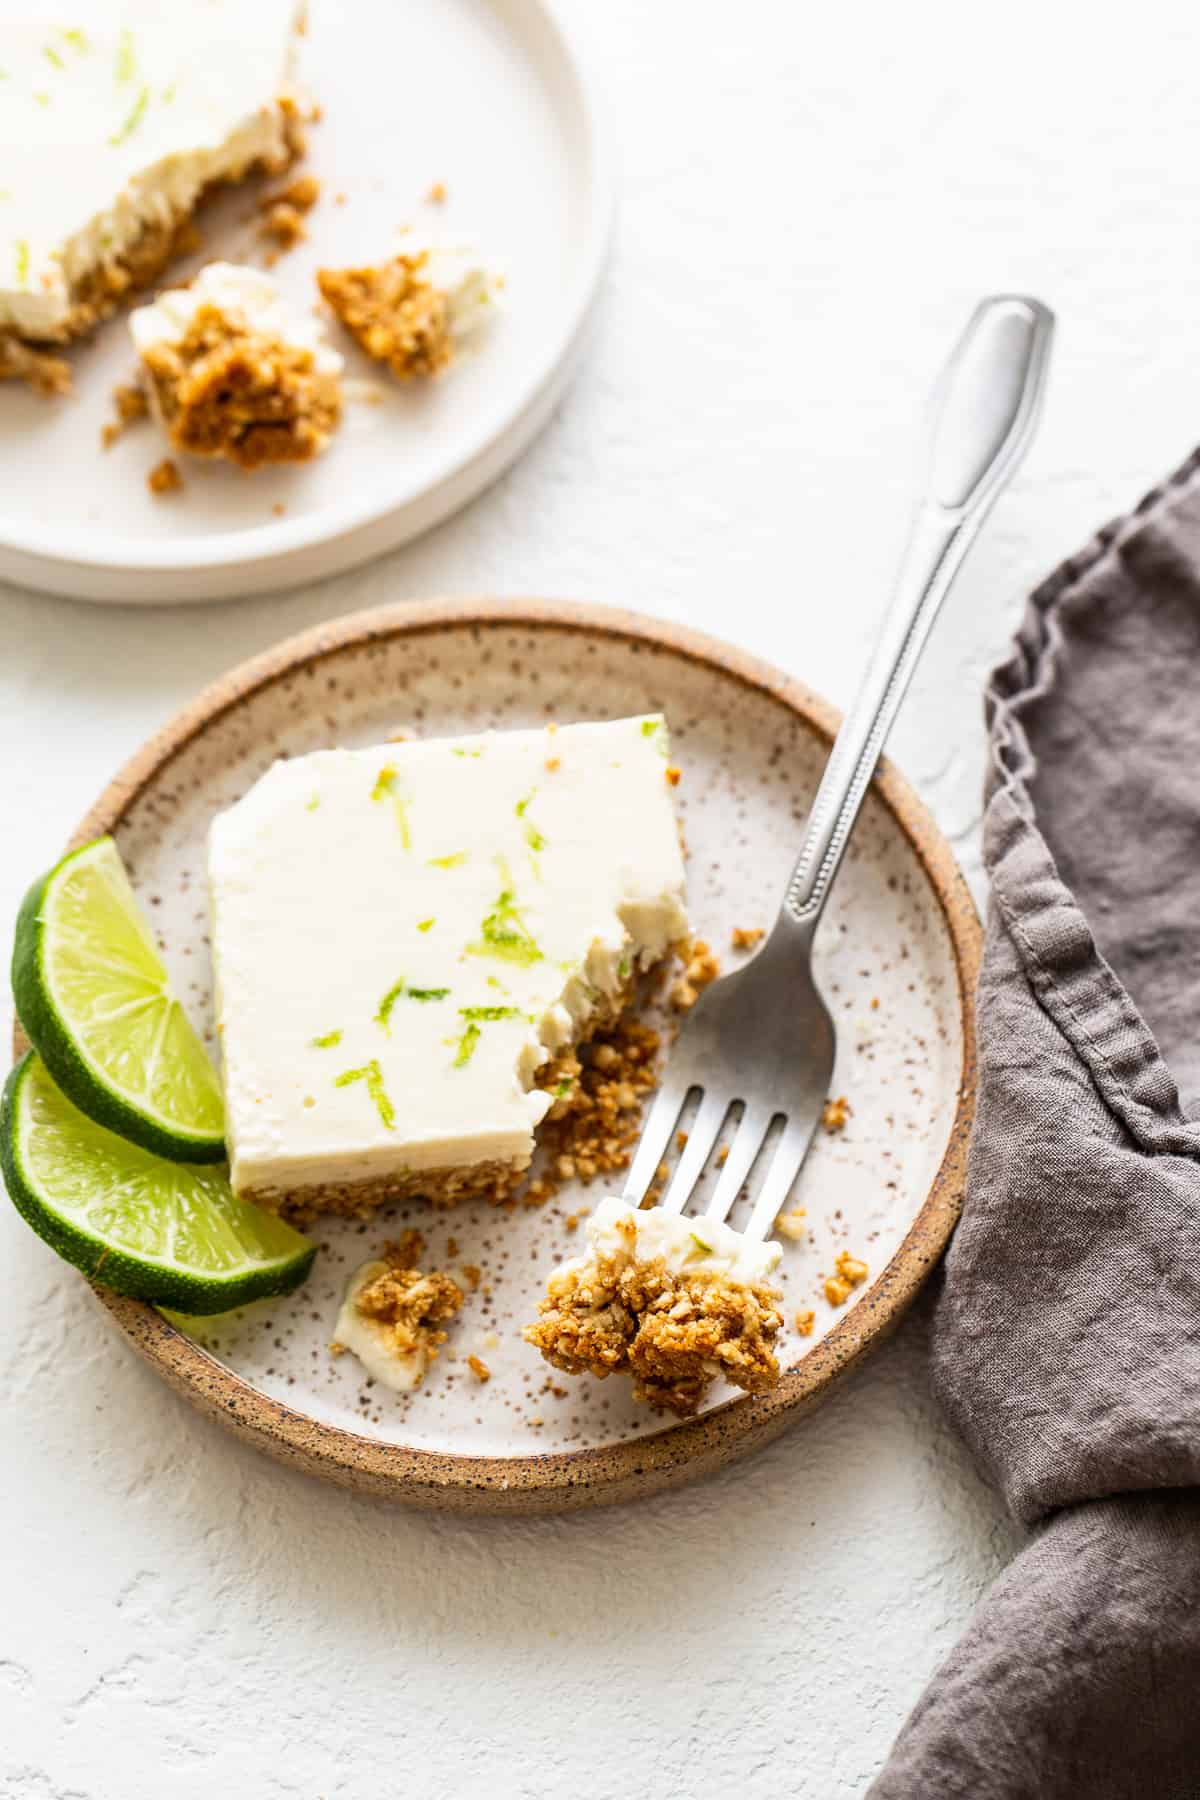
(896, 957)
(486, 96)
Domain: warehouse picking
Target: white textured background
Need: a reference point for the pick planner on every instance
(814, 196)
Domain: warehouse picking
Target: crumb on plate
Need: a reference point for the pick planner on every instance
(129, 405)
(394, 314)
(835, 1113)
(700, 968)
(745, 938)
(164, 477)
(792, 1224)
(851, 1273)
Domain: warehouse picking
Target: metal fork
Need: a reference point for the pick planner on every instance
(764, 1037)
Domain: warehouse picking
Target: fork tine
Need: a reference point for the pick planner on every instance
(747, 1143)
(701, 1138)
(777, 1183)
(656, 1135)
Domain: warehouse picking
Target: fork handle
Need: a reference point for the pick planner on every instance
(986, 412)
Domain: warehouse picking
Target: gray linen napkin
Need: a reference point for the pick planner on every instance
(1067, 1327)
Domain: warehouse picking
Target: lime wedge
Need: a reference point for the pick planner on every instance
(168, 1232)
(94, 998)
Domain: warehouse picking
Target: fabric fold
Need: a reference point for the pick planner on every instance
(1066, 1345)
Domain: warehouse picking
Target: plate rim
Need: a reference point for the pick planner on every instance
(561, 1480)
(266, 557)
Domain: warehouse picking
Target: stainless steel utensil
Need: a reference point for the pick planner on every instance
(764, 1036)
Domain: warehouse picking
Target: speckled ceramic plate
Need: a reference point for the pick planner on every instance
(897, 957)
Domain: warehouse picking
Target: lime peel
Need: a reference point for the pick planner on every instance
(96, 1002)
(171, 1233)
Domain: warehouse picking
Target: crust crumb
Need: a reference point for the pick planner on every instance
(700, 968)
(805, 1321)
(437, 194)
(302, 194)
(411, 1304)
(393, 313)
(130, 405)
(164, 477)
(852, 1268)
(743, 938)
(835, 1113)
(674, 774)
(283, 225)
(225, 391)
(46, 374)
(479, 1368)
(851, 1273)
(791, 1224)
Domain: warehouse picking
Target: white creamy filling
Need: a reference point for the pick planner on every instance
(116, 122)
(247, 297)
(687, 1246)
(373, 1342)
(472, 291)
(403, 936)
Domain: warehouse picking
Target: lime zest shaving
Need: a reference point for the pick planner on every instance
(133, 119)
(533, 836)
(453, 861)
(563, 1089)
(78, 40)
(504, 934)
(703, 1248)
(387, 788)
(389, 1000)
(466, 1046)
(51, 55)
(329, 1041)
(372, 1074)
(428, 993)
(126, 64)
(489, 1013)
(23, 262)
(425, 924)
(650, 726)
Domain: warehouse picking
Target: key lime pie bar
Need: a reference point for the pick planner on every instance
(408, 939)
(114, 122)
(232, 373)
(676, 1302)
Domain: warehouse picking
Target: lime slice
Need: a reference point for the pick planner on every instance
(94, 998)
(164, 1231)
